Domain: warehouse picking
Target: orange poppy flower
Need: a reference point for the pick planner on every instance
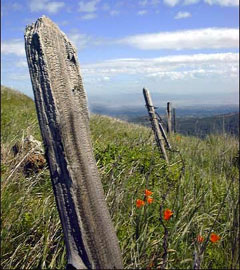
(139, 203)
(151, 264)
(178, 138)
(149, 199)
(200, 239)
(214, 237)
(167, 214)
(148, 192)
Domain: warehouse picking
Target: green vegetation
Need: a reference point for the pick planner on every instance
(18, 116)
(219, 124)
(200, 186)
(201, 126)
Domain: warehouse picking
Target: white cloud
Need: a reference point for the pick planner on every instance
(106, 7)
(223, 2)
(226, 3)
(82, 41)
(14, 46)
(21, 63)
(53, 7)
(114, 12)
(20, 77)
(79, 40)
(143, 3)
(88, 6)
(63, 23)
(155, 2)
(190, 2)
(168, 67)
(9, 6)
(142, 12)
(182, 15)
(46, 5)
(89, 16)
(171, 3)
(208, 38)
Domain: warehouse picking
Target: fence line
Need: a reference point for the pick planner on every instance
(157, 127)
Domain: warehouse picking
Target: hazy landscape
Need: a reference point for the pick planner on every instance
(198, 120)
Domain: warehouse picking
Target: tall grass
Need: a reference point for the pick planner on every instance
(200, 187)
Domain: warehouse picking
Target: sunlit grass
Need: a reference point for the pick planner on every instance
(201, 190)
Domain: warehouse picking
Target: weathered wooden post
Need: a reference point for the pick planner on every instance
(61, 104)
(169, 118)
(174, 120)
(164, 134)
(155, 124)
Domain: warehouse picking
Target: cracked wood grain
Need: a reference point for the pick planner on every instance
(62, 111)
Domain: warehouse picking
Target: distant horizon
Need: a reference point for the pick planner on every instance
(175, 106)
(92, 102)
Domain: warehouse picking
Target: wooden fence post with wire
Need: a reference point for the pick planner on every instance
(158, 130)
(169, 118)
(89, 235)
(174, 120)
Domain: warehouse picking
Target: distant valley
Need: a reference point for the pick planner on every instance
(190, 120)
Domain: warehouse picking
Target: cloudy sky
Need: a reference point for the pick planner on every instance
(185, 51)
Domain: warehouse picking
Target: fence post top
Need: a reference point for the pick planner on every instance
(43, 20)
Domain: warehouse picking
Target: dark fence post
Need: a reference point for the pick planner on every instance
(174, 120)
(169, 118)
(61, 104)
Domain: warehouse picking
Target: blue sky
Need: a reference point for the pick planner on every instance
(186, 51)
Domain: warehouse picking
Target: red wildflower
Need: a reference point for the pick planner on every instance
(178, 138)
(149, 200)
(200, 239)
(167, 214)
(148, 192)
(214, 237)
(139, 203)
(150, 266)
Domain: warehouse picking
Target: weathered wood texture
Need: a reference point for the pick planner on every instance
(169, 118)
(155, 123)
(61, 104)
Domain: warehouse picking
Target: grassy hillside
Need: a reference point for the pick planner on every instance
(18, 115)
(200, 187)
